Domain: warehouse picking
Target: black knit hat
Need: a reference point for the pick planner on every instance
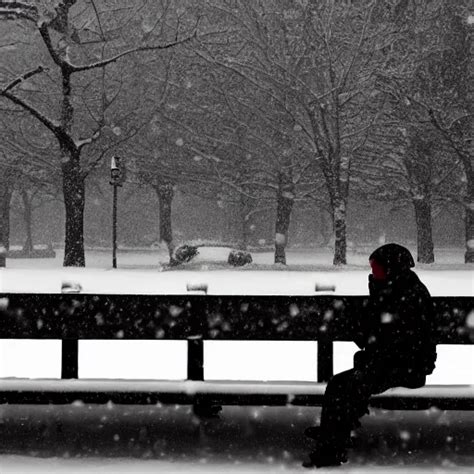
(393, 257)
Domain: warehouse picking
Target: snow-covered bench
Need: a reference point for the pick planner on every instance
(198, 317)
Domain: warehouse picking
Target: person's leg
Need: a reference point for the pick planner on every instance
(337, 404)
(333, 434)
(346, 399)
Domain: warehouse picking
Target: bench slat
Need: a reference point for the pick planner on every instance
(292, 318)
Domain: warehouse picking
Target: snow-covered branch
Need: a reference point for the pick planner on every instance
(23, 77)
(33, 111)
(11, 10)
(105, 62)
(44, 32)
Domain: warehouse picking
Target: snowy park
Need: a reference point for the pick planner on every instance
(265, 206)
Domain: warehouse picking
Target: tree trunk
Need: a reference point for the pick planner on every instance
(73, 180)
(5, 200)
(340, 243)
(74, 200)
(325, 228)
(469, 223)
(285, 201)
(245, 212)
(28, 219)
(469, 211)
(165, 193)
(424, 237)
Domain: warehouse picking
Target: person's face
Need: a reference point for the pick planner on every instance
(378, 271)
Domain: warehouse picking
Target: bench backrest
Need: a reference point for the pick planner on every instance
(321, 317)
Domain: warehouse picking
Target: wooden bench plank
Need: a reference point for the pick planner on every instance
(292, 318)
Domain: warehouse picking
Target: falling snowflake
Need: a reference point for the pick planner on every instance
(117, 131)
(338, 304)
(280, 239)
(179, 142)
(470, 320)
(405, 435)
(4, 302)
(197, 158)
(297, 127)
(386, 318)
(148, 24)
(175, 311)
(294, 310)
(328, 315)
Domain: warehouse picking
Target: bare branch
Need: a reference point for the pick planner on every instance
(15, 10)
(44, 32)
(105, 62)
(33, 111)
(23, 77)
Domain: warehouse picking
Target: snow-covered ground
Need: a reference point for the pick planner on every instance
(254, 439)
(140, 439)
(144, 272)
(170, 439)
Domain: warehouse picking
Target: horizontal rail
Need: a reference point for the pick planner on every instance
(292, 318)
(37, 391)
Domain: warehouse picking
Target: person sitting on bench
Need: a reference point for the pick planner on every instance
(397, 350)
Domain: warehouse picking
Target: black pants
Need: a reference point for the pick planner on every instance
(347, 396)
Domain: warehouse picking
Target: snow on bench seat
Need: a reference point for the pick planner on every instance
(38, 391)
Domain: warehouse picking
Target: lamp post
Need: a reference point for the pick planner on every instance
(117, 177)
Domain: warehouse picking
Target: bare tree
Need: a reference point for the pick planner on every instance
(318, 62)
(63, 40)
(429, 100)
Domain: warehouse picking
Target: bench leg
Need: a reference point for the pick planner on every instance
(195, 359)
(201, 408)
(69, 359)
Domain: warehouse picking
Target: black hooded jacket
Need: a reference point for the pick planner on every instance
(397, 328)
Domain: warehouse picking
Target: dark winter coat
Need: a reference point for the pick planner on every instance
(397, 327)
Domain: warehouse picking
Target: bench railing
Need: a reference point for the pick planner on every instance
(197, 317)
